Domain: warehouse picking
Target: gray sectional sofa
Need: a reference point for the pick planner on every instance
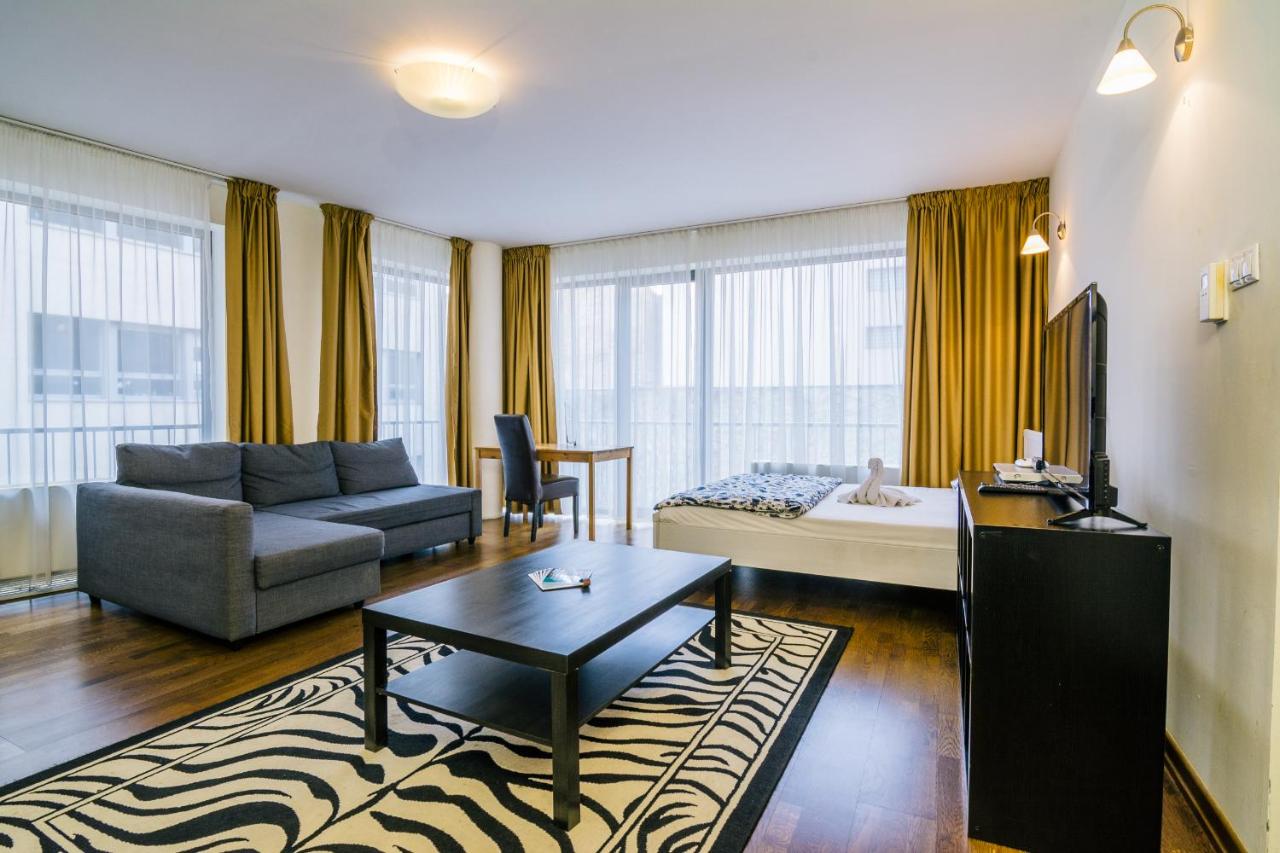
(233, 540)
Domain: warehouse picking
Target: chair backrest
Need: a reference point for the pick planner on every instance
(519, 458)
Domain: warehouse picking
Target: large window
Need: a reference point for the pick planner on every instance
(709, 350)
(110, 331)
(106, 302)
(411, 299)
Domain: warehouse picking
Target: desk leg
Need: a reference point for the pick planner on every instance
(724, 620)
(591, 499)
(629, 481)
(375, 681)
(565, 794)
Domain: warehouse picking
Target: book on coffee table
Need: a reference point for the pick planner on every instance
(558, 579)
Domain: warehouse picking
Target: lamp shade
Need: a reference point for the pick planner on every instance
(446, 90)
(1127, 71)
(1035, 244)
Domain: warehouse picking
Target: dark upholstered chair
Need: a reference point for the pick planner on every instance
(524, 481)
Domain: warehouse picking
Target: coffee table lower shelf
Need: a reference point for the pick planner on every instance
(516, 699)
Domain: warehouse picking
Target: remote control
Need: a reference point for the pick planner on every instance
(1016, 489)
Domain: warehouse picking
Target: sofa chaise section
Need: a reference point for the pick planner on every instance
(304, 567)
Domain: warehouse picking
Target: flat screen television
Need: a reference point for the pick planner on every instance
(1074, 412)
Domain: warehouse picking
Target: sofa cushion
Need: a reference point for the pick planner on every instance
(383, 509)
(372, 465)
(209, 470)
(282, 473)
(288, 549)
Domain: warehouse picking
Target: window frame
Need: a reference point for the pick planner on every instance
(44, 213)
(703, 278)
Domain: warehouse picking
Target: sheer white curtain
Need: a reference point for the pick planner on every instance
(411, 299)
(106, 313)
(777, 340)
(625, 336)
(806, 324)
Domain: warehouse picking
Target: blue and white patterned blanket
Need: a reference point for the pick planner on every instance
(779, 495)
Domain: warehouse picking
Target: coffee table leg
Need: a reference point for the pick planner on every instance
(564, 748)
(724, 652)
(375, 681)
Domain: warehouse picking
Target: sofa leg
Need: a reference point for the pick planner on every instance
(233, 645)
(506, 519)
(95, 602)
(471, 540)
(357, 605)
(533, 522)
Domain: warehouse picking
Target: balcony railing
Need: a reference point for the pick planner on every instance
(424, 442)
(45, 455)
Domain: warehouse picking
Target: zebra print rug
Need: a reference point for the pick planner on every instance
(685, 760)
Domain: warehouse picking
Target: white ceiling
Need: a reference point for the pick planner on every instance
(616, 116)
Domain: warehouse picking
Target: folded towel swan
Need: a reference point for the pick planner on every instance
(871, 493)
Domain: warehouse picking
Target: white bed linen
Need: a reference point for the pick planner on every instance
(913, 545)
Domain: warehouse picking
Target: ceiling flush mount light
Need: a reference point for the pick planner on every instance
(1036, 244)
(446, 89)
(1128, 69)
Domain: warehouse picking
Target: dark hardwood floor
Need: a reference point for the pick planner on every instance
(879, 767)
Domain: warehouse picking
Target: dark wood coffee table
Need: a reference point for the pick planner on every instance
(540, 664)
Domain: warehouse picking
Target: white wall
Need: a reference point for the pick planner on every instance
(1154, 185)
(301, 268)
(486, 364)
(301, 251)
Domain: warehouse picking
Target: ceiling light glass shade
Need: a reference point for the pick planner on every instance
(1128, 70)
(446, 90)
(1035, 244)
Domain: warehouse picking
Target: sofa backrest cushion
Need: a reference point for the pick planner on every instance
(372, 465)
(282, 473)
(209, 470)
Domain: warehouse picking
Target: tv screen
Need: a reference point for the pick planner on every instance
(1069, 379)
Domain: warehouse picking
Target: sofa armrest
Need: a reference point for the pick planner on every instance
(477, 513)
(180, 557)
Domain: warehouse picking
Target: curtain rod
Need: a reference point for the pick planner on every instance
(419, 229)
(61, 134)
(727, 222)
(84, 140)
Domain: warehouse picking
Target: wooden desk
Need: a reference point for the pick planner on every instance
(564, 453)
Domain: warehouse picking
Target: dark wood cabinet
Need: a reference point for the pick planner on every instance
(1063, 646)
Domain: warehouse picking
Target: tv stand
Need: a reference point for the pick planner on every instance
(1063, 650)
(1101, 500)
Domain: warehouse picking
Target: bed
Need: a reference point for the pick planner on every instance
(914, 545)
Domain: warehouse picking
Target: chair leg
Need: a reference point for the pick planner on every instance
(506, 519)
(575, 515)
(533, 522)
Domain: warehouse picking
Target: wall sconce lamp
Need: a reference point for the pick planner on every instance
(1036, 244)
(1129, 70)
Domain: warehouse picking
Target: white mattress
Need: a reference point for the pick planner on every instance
(913, 545)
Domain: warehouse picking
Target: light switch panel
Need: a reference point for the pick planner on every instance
(1250, 267)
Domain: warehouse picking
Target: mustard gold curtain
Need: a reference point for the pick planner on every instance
(457, 380)
(528, 384)
(348, 340)
(975, 322)
(259, 402)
